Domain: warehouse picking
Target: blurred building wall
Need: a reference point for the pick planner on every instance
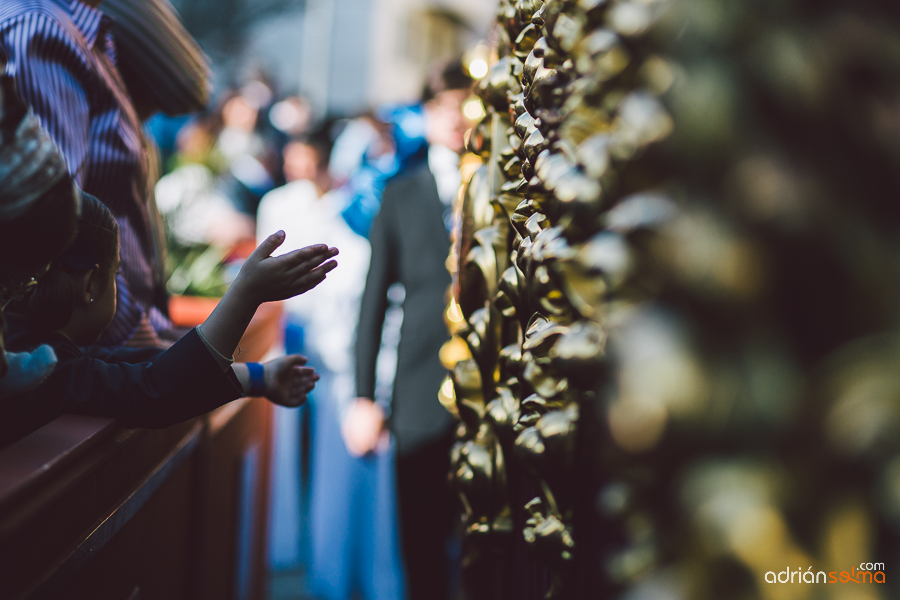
(333, 67)
(410, 35)
(320, 50)
(345, 55)
(274, 45)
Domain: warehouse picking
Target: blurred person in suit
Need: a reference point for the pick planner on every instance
(410, 242)
(352, 533)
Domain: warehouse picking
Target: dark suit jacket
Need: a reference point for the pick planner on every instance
(410, 246)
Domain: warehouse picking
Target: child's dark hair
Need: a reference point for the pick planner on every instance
(451, 76)
(320, 139)
(52, 301)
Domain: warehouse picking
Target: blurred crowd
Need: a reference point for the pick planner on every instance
(221, 163)
(259, 163)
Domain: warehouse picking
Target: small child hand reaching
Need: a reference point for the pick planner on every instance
(267, 278)
(285, 381)
(288, 382)
(264, 278)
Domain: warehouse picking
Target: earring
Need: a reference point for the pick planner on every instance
(92, 299)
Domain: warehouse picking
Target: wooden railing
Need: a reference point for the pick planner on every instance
(91, 510)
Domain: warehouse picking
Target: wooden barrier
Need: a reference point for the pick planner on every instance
(89, 509)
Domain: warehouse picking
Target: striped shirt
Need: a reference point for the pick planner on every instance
(62, 57)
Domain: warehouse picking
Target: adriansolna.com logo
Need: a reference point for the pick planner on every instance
(866, 573)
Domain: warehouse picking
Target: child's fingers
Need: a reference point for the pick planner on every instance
(303, 374)
(307, 282)
(306, 374)
(308, 266)
(325, 266)
(267, 247)
(305, 258)
(306, 384)
(302, 389)
(303, 381)
(321, 270)
(313, 255)
(294, 360)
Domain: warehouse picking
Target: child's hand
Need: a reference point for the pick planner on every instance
(264, 278)
(288, 381)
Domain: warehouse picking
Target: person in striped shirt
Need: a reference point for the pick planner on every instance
(62, 56)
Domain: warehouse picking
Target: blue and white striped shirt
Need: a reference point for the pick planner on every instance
(62, 57)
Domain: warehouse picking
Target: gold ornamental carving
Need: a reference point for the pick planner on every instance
(676, 263)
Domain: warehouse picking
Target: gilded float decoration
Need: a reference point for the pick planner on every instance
(668, 195)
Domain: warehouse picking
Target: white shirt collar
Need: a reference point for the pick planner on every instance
(444, 165)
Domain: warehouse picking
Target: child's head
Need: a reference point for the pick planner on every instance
(77, 296)
(306, 157)
(444, 95)
(302, 161)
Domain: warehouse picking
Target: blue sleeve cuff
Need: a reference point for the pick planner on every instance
(257, 386)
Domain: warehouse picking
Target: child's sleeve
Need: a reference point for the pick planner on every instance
(123, 355)
(183, 382)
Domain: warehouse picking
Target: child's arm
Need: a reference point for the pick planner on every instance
(264, 278)
(186, 380)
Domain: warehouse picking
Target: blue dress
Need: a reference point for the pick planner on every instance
(353, 523)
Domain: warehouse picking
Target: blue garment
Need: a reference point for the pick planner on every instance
(62, 57)
(353, 515)
(164, 131)
(289, 507)
(366, 185)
